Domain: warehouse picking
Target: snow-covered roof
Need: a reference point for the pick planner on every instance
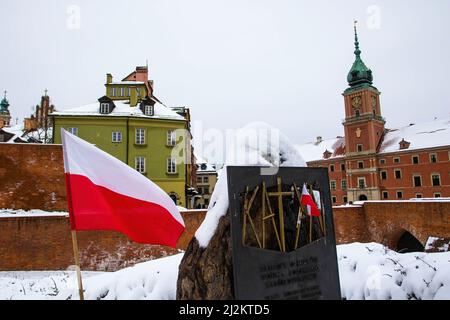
(16, 130)
(122, 109)
(431, 134)
(203, 165)
(128, 82)
(314, 150)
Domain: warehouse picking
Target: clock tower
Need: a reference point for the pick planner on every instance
(364, 128)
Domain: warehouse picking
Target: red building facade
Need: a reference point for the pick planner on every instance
(374, 163)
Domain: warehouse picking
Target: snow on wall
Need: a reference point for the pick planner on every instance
(262, 152)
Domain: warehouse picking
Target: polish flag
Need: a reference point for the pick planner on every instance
(308, 201)
(103, 193)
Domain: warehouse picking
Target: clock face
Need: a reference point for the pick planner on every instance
(356, 102)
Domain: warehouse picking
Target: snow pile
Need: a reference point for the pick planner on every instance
(10, 213)
(152, 280)
(373, 272)
(366, 271)
(257, 144)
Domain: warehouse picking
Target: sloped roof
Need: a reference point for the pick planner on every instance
(314, 151)
(430, 134)
(122, 109)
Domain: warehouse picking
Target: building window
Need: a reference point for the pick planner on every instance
(73, 131)
(360, 165)
(333, 184)
(399, 194)
(382, 161)
(199, 179)
(359, 147)
(342, 166)
(433, 157)
(140, 136)
(437, 194)
(117, 137)
(334, 199)
(417, 181)
(415, 159)
(344, 199)
(128, 92)
(171, 138)
(205, 179)
(121, 91)
(383, 175)
(113, 92)
(357, 113)
(171, 165)
(104, 108)
(361, 183)
(436, 180)
(397, 160)
(385, 195)
(149, 110)
(139, 164)
(206, 190)
(344, 184)
(398, 174)
(332, 167)
(418, 195)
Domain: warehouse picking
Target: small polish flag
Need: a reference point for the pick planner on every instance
(308, 201)
(103, 193)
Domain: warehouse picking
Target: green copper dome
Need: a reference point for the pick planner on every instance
(359, 74)
(4, 104)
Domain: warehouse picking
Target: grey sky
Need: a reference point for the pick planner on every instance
(232, 62)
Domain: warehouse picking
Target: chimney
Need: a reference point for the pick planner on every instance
(109, 78)
(133, 97)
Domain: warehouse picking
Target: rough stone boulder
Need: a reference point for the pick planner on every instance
(207, 273)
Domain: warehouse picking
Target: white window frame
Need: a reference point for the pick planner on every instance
(362, 166)
(419, 195)
(393, 160)
(359, 147)
(73, 131)
(361, 179)
(149, 110)
(333, 183)
(381, 174)
(344, 184)
(140, 136)
(121, 92)
(171, 166)
(414, 180)
(382, 161)
(171, 138)
(397, 192)
(385, 193)
(415, 156)
(435, 155)
(128, 92)
(116, 137)
(440, 181)
(395, 174)
(140, 164)
(436, 195)
(104, 108)
(113, 92)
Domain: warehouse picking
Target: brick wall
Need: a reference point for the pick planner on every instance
(45, 243)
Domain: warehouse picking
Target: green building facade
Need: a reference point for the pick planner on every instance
(137, 129)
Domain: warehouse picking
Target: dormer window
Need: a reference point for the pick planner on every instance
(149, 110)
(104, 108)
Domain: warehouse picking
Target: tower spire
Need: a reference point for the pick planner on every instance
(357, 51)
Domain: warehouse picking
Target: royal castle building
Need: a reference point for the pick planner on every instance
(372, 162)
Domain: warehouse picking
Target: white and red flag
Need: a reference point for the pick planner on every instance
(103, 193)
(308, 201)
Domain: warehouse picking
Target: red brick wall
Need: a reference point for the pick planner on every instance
(44, 243)
(32, 177)
(350, 224)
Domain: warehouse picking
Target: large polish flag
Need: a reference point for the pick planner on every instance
(104, 193)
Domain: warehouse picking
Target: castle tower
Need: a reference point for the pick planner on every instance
(364, 128)
(5, 117)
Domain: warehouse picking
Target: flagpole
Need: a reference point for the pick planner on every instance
(77, 263)
(76, 254)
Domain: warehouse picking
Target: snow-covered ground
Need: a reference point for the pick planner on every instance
(367, 271)
(10, 213)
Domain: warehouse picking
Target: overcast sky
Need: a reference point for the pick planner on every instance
(232, 62)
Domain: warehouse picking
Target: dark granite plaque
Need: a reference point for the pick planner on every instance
(270, 262)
